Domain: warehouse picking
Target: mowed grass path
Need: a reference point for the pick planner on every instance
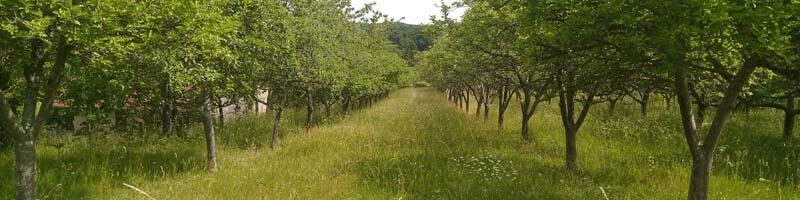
(416, 145)
(402, 147)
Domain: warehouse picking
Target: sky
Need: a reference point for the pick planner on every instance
(414, 11)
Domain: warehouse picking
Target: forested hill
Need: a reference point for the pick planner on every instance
(409, 39)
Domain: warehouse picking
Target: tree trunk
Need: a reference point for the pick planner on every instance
(456, 98)
(698, 183)
(501, 116)
(237, 109)
(466, 101)
(25, 141)
(460, 100)
(327, 109)
(502, 105)
(166, 119)
(346, 105)
(51, 87)
(644, 102)
(211, 146)
(668, 102)
(180, 120)
(485, 110)
(478, 106)
(309, 112)
(525, 128)
(120, 120)
(788, 124)
(572, 149)
(268, 103)
(612, 105)
(450, 95)
(166, 107)
(788, 118)
(526, 115)
(32, 76)
(447, 93)
(566, 104)
(703, 155)
(26, 168)
(571, 122)
(24, 149)
(643, 108)
(276, 126)
(221, 110)
(24, 131)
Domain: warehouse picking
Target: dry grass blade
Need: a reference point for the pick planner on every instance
(604, 193)
(138, 190)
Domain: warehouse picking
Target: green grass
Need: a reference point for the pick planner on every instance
(416, 145)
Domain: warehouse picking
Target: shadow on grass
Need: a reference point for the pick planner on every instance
(254, 131)
(482, 177)
(751, 146)
(81, 170)
(761, 156)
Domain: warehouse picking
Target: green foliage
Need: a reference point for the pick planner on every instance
(149, 56)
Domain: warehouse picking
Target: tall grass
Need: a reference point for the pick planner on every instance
(416, 145)
(87, 166)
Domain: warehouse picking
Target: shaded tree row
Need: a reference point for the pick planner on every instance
(711, 56)
(123, 61)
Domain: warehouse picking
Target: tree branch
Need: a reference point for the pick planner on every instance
(687, 117)
(584, 110)
(726, 105)
(7, 118)
(53, 81)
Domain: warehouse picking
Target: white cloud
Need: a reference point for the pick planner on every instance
(414, 11)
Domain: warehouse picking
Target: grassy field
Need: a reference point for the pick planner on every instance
(416, 145)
